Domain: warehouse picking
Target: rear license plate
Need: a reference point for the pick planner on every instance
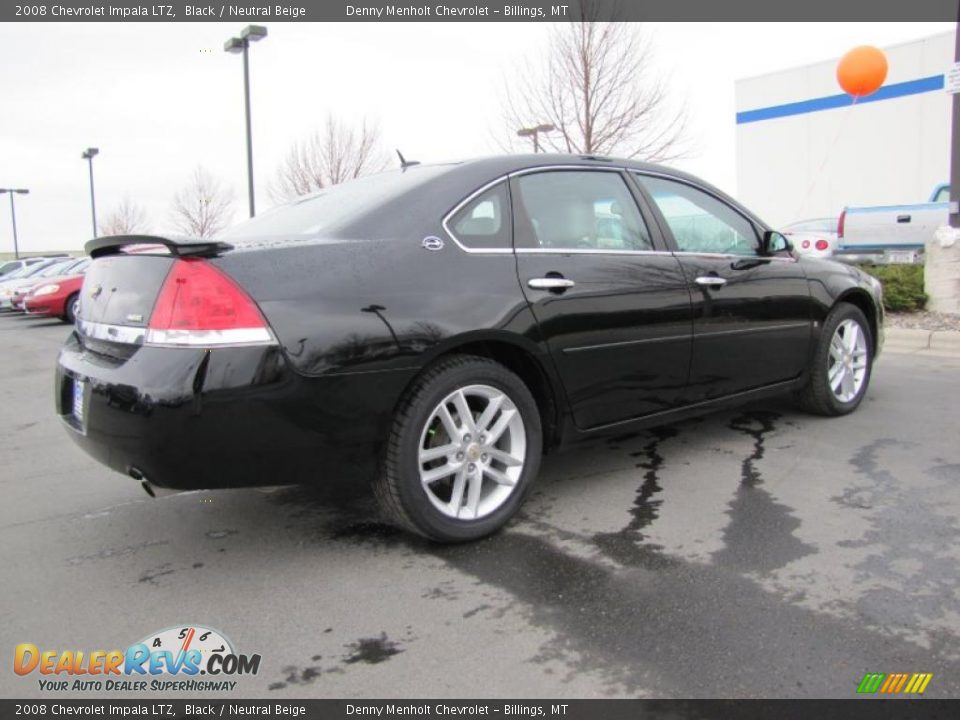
(898, 257)
(78, 386)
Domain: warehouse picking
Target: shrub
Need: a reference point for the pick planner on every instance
(902, 286)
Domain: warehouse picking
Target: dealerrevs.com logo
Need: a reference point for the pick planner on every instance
(169, 660)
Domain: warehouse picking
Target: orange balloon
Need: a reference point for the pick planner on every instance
(862, 71)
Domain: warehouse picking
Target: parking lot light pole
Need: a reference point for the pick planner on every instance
(251, 33)
(13, 216)
(534, 132)
(89, 154)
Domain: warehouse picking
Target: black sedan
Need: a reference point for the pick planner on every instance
(435, 330)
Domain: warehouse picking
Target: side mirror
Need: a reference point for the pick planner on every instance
(775, 243)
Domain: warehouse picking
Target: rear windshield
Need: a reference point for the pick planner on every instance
(322, 212)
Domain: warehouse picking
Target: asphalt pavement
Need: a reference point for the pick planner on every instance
(759, 552)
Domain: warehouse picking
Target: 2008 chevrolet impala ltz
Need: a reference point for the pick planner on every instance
(436, 329)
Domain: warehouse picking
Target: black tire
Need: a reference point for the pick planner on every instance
(398, 488)
(817, 396)
(69, 313)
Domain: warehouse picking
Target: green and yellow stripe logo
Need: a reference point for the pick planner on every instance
(894, 683)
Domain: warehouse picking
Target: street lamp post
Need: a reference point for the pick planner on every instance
(534, 132)
(13, 215)
(251, 33)
(89, 154)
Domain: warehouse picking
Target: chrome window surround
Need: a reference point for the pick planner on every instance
(590, 251)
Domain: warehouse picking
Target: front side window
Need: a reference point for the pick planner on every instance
(699, 222)
(943, 194)
(573, 209)
(484, 222)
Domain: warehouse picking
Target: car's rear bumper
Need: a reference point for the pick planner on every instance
(232, 417)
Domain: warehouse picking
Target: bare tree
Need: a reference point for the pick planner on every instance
(204, 207)
(597, 89)
(331, 155)
(128, 218)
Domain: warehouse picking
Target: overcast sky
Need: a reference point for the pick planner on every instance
(159, 99)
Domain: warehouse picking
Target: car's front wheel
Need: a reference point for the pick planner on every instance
(464, 449)
(71, 306)
(842, 362)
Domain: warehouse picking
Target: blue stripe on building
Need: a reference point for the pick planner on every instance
(887, 92)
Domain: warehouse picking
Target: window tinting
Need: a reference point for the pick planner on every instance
(571, 209)
(699, 222)
(484, 222)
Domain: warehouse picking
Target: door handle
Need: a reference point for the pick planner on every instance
(550, 283)
(904, 218)
(710, 281)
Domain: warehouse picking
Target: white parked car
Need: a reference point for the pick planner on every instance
(27, 276)
(11, 266)
(816, 238)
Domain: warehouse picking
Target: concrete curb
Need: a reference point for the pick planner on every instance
(942, 343)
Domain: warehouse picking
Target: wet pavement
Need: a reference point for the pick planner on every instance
(759, 552)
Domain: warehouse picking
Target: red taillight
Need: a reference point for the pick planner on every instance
(840, 223)
(805, 244)
(199, 305)
(822, 245)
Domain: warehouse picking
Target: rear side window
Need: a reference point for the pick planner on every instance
(573, 209)
(484, 222)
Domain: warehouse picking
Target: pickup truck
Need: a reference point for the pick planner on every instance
(891, 233)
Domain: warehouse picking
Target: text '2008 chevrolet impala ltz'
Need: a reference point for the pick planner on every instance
(436, 329)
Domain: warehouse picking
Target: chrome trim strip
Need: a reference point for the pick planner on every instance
(587, 251)
(132, 335)
(694, 336)
(728, 256)
(111, 333)
(625, 343)
(234, 337)
(743, 331)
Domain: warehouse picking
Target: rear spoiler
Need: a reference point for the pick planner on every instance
(180, 247)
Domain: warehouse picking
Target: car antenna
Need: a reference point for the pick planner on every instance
(404, 163)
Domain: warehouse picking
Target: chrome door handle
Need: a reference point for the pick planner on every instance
(710, 281)
(550, 283)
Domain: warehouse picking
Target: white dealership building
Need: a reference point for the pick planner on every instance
(806, 150)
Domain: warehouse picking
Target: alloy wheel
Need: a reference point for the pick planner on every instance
(472, 452)
(847, 361)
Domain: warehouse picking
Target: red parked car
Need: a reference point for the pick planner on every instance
(57, 296)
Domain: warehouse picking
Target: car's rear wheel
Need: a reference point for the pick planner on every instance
(70, 308)
(464, 448)
(840, 374)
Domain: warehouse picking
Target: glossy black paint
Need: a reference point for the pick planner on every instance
(357, 316)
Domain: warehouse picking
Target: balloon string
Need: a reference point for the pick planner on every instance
(827, 155)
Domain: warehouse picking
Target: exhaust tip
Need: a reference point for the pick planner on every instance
(149, 488)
